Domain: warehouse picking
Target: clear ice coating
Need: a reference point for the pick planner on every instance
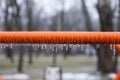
(82, 47)
(6, 45)
(58, 47)
(114, 51)
(111, 46)
(53, 47)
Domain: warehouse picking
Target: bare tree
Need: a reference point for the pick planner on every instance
(18, 27)
(88, 23)
(30, 27)
(119, 17)
(62, 15)
(13, 22)
(8, 27)
(107, 62)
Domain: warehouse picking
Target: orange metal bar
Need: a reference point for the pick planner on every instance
(1, 78)
(61, 37)
(117, 47)
(117, 77)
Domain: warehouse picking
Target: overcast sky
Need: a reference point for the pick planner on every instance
(51, 5)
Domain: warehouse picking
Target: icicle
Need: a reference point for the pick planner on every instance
(0, 46)
(114, 51)
(52, 47)
(82, 47)
(42, 47)
(45, 46)
(66, 48)
(38, 45)
(11, 46)
(7, 45)
(4, 45)
(56, 49)
(61, 47)
(111, 46)
(87, 50)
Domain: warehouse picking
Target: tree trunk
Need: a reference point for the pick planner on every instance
(30, 27)
(30, 52)
(8, 27)
(21, 59)
(9, 54)
(54, 61)
(18, 27)
(88, 23)
(119, 18)
(66, 51)
(63, 27)
(106, 16)
(107, 62)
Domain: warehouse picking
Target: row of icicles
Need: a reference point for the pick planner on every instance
(56, 47)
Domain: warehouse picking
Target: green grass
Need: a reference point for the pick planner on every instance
(72, 64)
(69, 63)
(42, 62)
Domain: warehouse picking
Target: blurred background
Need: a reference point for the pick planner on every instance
(87, 62)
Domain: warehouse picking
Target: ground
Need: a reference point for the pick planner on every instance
(76, 64)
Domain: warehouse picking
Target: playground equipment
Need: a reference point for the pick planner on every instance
(62, 38)
(117, 47)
